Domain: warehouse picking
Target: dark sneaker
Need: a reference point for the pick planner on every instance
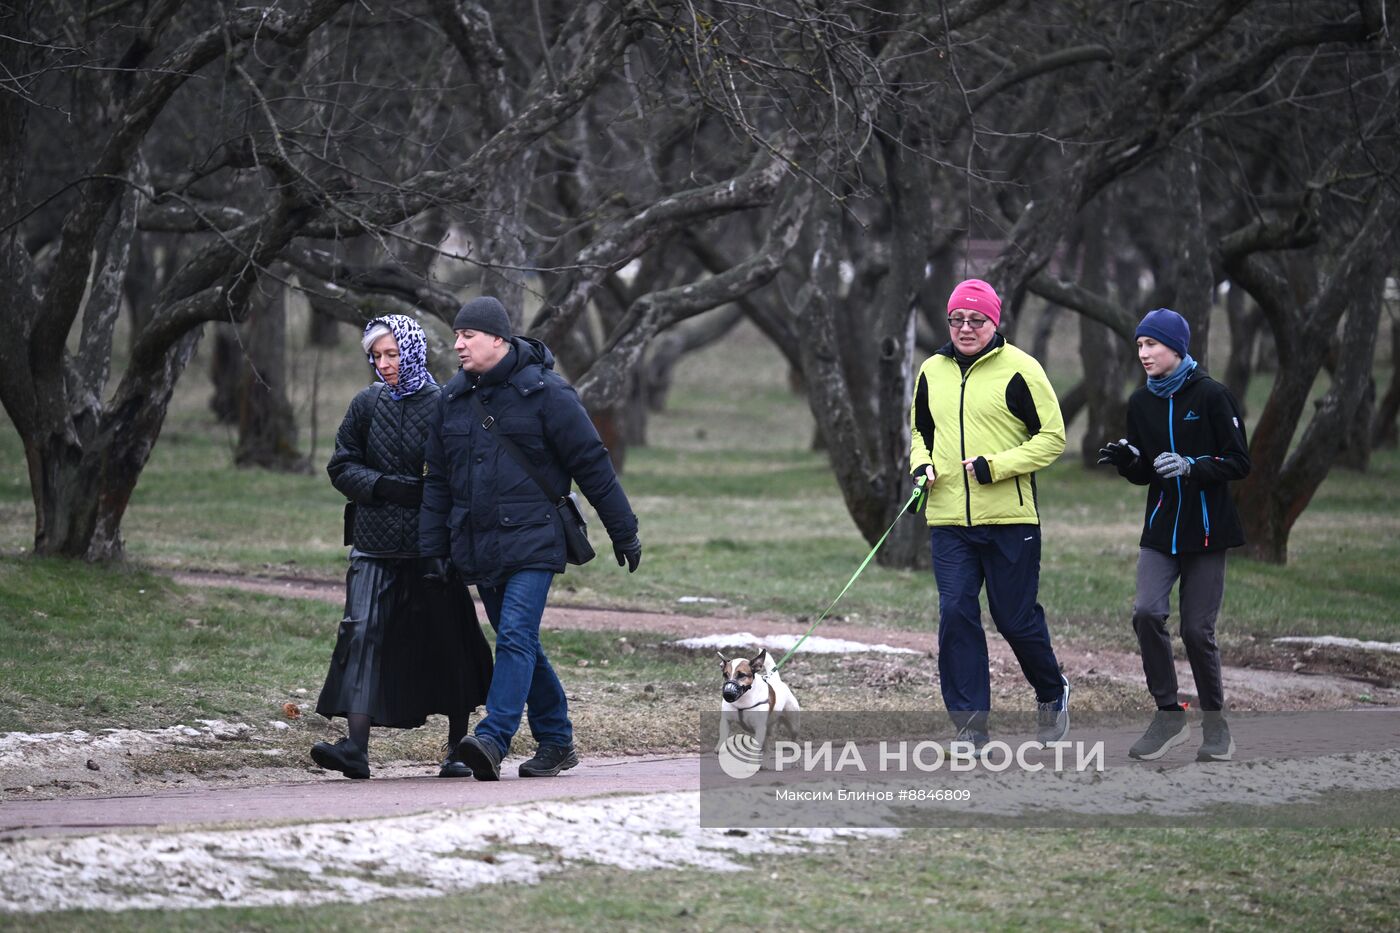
(969, 735)
(344, 756)
(1169, 729)
(549, 761)
(480, 756)
(1216, 743)
(1052, 717)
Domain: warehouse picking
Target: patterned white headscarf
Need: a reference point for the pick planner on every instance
(413, 354)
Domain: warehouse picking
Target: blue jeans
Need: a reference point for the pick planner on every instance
(523, 675)
(1006, 559)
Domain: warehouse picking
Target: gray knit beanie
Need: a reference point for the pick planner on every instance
(484, 314)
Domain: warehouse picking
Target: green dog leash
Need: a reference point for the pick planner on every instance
(915, 499)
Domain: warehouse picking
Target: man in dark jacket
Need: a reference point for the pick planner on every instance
(485, 512)
(1185, 442)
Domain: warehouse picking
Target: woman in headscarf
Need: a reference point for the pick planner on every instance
(407, 647)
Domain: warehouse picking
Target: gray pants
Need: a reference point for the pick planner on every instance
(1202, 588)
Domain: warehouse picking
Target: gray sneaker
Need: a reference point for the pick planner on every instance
(1169, 729)
(969, 736)
(1052, 716)
(1216, 743)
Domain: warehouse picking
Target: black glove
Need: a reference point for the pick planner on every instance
(1119, 453)
(628, 551)
(921, 486)
(406, 493)
(434, 569)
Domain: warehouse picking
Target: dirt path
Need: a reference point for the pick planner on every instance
(1258, 686)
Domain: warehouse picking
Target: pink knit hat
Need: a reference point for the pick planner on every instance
(976, 295)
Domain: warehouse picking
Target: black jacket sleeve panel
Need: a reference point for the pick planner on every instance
(923, 422)
(1020, 403)
(348, 469)
(1231, 460)
(571, 434)
(433, 532)
(1139, 471)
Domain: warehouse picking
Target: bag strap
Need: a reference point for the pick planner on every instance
(488, 424)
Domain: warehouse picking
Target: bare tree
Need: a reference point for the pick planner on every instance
(827, 168)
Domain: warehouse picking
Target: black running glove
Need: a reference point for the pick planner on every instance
(1119, 453)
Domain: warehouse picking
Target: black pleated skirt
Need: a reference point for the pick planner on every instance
(406, 648)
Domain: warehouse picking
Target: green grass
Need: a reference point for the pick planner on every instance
(961, 880)
(89, 647)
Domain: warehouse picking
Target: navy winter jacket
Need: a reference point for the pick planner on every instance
(1191, 514)
(479, 506)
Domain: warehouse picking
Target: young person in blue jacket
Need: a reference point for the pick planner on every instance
(1185, 443)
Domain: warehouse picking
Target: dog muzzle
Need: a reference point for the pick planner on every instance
(732, 691)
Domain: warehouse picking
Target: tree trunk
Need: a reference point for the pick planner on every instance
(1100, 349)
(1245, 324)
(910, 292)
(1383, 425)
(322, 330)
(83, 484)
(1189, 268)
(1045, 328)
(266, 426)
(1278, 489)
(671, 346)
(1355, 441)
(225, 372)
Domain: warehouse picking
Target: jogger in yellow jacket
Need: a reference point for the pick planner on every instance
(984, 418)
(1001, 412)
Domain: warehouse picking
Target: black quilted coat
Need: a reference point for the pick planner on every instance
(382, 436)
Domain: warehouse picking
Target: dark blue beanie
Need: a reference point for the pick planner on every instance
(1167, 328)
(484, 314)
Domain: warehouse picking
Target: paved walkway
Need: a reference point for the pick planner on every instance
(392, 792)
(405, 790)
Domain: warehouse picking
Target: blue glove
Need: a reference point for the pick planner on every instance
(1169, 465)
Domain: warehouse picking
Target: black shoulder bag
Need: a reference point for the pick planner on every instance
(577, 550)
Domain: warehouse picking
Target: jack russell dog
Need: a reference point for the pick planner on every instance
(755, 698)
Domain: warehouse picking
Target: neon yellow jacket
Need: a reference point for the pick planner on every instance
(1004, 413)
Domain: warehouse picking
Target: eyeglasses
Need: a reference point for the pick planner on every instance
(976, 323)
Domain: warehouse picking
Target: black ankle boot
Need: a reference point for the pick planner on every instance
(451, 768)
(344, 756)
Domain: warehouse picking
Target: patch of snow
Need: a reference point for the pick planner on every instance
(700, 599)
(815, 644)
(1336, 641)
(428, 855)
